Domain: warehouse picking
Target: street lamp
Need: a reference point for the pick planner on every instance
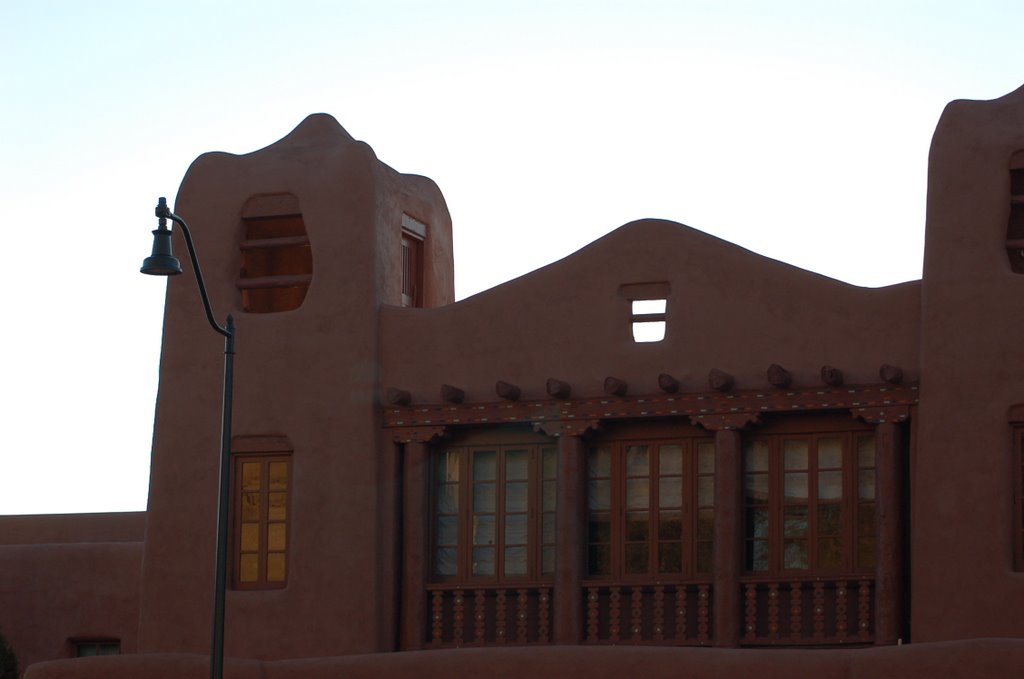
(163, 263)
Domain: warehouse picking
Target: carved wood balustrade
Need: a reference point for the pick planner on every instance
(819, 611)
(657, 614)
(488, 616)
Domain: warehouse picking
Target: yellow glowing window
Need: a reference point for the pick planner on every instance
(262, 485)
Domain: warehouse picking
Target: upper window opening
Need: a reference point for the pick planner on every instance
(1015, 227)
(277, 261)
(413, 234)
(648, 310)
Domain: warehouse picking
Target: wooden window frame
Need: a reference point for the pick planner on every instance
(857, 514)
(414, 234)
(1018, 494)
(618, 478)
(264, 521)
(537, 512)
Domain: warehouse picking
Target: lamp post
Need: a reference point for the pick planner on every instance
(163, 263)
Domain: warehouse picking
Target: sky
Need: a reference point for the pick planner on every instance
(798, 130)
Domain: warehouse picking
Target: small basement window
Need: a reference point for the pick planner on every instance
(648, 316)
(88, 648)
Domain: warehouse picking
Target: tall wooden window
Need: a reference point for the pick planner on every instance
(1015, 226)
(262, 489)
(277, 261)
(1018, 491)
(809, 502)
(413, 234)
(494, 513)
(650, 508)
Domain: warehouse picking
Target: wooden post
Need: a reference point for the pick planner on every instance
(727, 603)
(889, 564)
(415, 549)
(571, 540)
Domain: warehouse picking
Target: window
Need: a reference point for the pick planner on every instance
(90, 647)
(648, 310)
(277, 261)
(262, 487)
(809, 501)
(494, 513)
(1018, 502)
(650, 508)
(413, 234)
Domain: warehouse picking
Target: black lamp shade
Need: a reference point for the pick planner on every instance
(162, 262)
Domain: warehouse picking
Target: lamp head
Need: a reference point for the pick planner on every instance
(162, 262)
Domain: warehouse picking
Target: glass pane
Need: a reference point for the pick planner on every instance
(485, 465)
(447, 530)
(795, 522)
(755, 488)
(251, 475)
(705, 557)
(250, 539)
(757, 523)
(599, 462)
(670, 492)
(866, 451)
(830, 485)
(829, 517)
(755, 456)
(448, 468)
(275, 567)
(547, 566)
(866, 484)
(670, 460)
(250, 506)
(110, 649)
(483, 530)
(637, 526)
(830, 553)
(795, 454)
(637, 558)
(515, 496)
(757, 555)
(670, 525)
(599, 560)
(637, 461)
(670, 557)
(483, 561)
(444, 561)
(600, 529)
(866, 519)
(278, 476)
(517, 465)
(249, 567)
(638, 493)
(794, 554)
(866, 552)
(550, 456)
(649, 306)
(706, 491)
(276, 537)
(483, 497)
(86, 650)
(278, 506)
(599, 494)
(448, 499)
(706, 458)
(549, 496)
(706, 524)
(548, 530)
(796, 486)
(515, 561)
(830, 453)
(515, 529)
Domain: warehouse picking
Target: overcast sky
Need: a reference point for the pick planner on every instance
(799, 130)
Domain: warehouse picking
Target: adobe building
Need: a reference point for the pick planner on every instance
(663, 452)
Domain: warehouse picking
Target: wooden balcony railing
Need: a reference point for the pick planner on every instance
(661, 614)
(808, 611)
(484, 616)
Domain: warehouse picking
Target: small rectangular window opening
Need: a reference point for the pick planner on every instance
(648, 320)
(88, 648)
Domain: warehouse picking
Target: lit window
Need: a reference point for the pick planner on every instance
(262, 487)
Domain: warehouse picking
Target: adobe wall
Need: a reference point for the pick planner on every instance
(311, 375)
(69, 576)
(727, 308)
(963, 583)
